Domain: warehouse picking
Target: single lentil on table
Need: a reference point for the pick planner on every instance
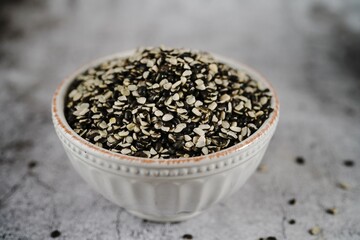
(166, 103)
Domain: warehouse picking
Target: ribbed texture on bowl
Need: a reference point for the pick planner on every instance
(167, 199)
(167, 193)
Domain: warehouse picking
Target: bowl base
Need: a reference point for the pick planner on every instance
(177, 218)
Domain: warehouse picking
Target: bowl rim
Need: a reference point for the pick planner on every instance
(59, 119)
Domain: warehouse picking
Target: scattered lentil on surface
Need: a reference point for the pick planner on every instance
(343, 185)
(300, 160)
(271, 238)
(187, 236)
(292, 201)
(32, 164)
(349, 163)
(314, 230)
(55, 234)
(332, 211)
(292, 221)
(145, 104)
(268, 238)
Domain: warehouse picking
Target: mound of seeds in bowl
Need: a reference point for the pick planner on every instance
(166, 103)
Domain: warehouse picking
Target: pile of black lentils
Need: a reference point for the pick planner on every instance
(166, 103)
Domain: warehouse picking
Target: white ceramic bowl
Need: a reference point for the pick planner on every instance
(164, 189)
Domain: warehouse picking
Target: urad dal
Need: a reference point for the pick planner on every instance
(166, 103)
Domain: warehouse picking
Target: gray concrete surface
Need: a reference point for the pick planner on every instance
(309, 50)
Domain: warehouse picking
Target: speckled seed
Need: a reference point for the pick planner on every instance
(186, 73)
(259, 113)
(158, 113)
(176, 84)
(172, 60)
(130, 126)
(167, 117)
(187, 138)
(176, 97)
(145, 74)
(141, 100)
(180, 127)
(222, 115)
(213, 68)
(235, 129)
(225, 98)
(201, 87)
(199, 131)
(239, 107)
(123, 133)
(132, 87)
(200, 142)
(251, 114)
(167, 86)
(248, 104)
(212, 106)
(111, 139)
(125, 151)
(198, 103)
(81, 109)
(232, 134)
(218, 81)
(112, 121)
(168, 101)
(196, 112)
(103, 125)
(188, 59)
(251, 125)
(129, 139)
(244, 131)
(190, 99)
(189, 144)
(199, 82)
(181, 110)
(152, 151)
(205, 150)
(263, 100)
(225, 124)
(165, 129)
(122, 98)
(204, 126)
(77, 96)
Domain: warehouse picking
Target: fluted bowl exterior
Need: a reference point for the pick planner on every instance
(164, 190)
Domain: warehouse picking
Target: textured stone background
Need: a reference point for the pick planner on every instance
(309, 50)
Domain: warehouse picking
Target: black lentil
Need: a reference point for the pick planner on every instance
(187, 236)
(292, 221)
(349, 163)
(166, 103)
(32, 164)
(331, 211)
(271, 238)
(300, 160)
(292, 201)
(55, 234)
